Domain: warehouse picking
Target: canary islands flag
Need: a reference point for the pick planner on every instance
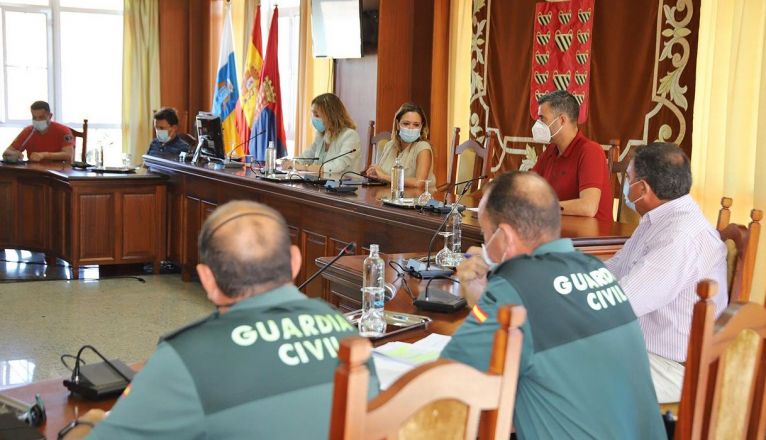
(251, 80)
(268, 123)
(226, 92)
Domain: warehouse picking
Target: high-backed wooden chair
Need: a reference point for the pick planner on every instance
(373, 140)
(484, 152)
(84, 136)
(442, 399)
(723, 391)
(742, 248)
(618, 172)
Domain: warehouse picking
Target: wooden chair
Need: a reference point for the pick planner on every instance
(742, 248)
(373, 139)
(486, 153)
(84, 136)
(442, 399)
(723, 391)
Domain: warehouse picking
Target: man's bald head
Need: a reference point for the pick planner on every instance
(247, 247)
(527, 203)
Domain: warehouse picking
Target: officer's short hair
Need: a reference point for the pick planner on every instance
(665, 167)
(561, 101)
(40, 105)
(167, 114)
(247, 247)
(527, 203)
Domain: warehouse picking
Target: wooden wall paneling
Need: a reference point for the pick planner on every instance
(98, 224)
(395, 59)
(32, 202)
(192, 207)
(175, 38)
(313, 246)
(7, 211)
(174, 218)
(61, 239)
(422, 22)
(440, 88)
(139, 209)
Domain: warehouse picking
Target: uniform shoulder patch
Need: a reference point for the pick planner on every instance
(479, 314)
(191, 325)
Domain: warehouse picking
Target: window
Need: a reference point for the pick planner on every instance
(68, 53)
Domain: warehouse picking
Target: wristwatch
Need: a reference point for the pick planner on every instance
(72, 425)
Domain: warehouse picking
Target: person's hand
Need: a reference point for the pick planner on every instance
(12, 155)
(93, 416)
(372, 171)
(472, 273)
(36, 157)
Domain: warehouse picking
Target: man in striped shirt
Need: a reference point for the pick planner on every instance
(673, 248)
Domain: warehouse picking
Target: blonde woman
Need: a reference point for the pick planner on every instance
(335, 135)
(410, 144)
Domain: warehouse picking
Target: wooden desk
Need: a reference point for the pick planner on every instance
(322, 223)
(83, 217)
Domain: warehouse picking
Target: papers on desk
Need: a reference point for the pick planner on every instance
(394, 359)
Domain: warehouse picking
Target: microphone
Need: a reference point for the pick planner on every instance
(349, 249)
(228, 162)
(319, 175)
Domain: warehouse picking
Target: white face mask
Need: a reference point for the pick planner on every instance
(409, 135)
(485, 256)
(40, 125)
(162, 135)
(541, 132)
(626, 191)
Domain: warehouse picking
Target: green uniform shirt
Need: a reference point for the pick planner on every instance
(264, 369)
(584, 370)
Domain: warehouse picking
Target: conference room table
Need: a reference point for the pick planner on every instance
(81, 216)
(321, 223)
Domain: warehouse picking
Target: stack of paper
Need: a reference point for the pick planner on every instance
(394, 359)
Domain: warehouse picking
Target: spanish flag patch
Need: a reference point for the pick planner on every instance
(479, 314)
(126, 391)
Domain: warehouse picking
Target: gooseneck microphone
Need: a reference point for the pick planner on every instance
(332, 159)
(349, 249)
(427, 272)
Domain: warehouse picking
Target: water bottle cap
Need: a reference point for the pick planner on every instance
(373, 248)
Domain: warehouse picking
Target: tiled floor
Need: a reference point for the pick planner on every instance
(120, 315)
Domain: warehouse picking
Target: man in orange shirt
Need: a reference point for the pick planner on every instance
(44, 139)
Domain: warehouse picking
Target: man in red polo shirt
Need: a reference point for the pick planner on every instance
(574, 165)
(44, 139)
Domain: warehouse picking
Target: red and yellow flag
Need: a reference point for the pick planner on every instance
(251, 82)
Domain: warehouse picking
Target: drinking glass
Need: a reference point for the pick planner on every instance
(444, 257)
(425, 197)
(127, 160)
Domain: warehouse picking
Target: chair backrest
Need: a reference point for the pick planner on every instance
(373, 139)
(742, 251)
(719, 395)
(84, 136)
(618, 172)
(484, 152)
(419, 405)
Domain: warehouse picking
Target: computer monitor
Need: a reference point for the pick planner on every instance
(210, 137)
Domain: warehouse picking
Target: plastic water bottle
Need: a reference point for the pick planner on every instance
(373, 323)
(397, 181)
(456, 224)
(271, 159)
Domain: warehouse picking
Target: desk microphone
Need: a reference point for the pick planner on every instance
(319, 175)
(415, 265)
(349, 249)
(229, 162)
(438, 207)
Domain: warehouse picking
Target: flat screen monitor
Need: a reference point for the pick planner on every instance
(209, 128)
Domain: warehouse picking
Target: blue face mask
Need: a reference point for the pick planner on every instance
(485, 256)
(318, 124)
(409, 135)
(162, 135)
(626, 191)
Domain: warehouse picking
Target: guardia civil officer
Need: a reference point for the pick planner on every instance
(261, 366)
(584, 371)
